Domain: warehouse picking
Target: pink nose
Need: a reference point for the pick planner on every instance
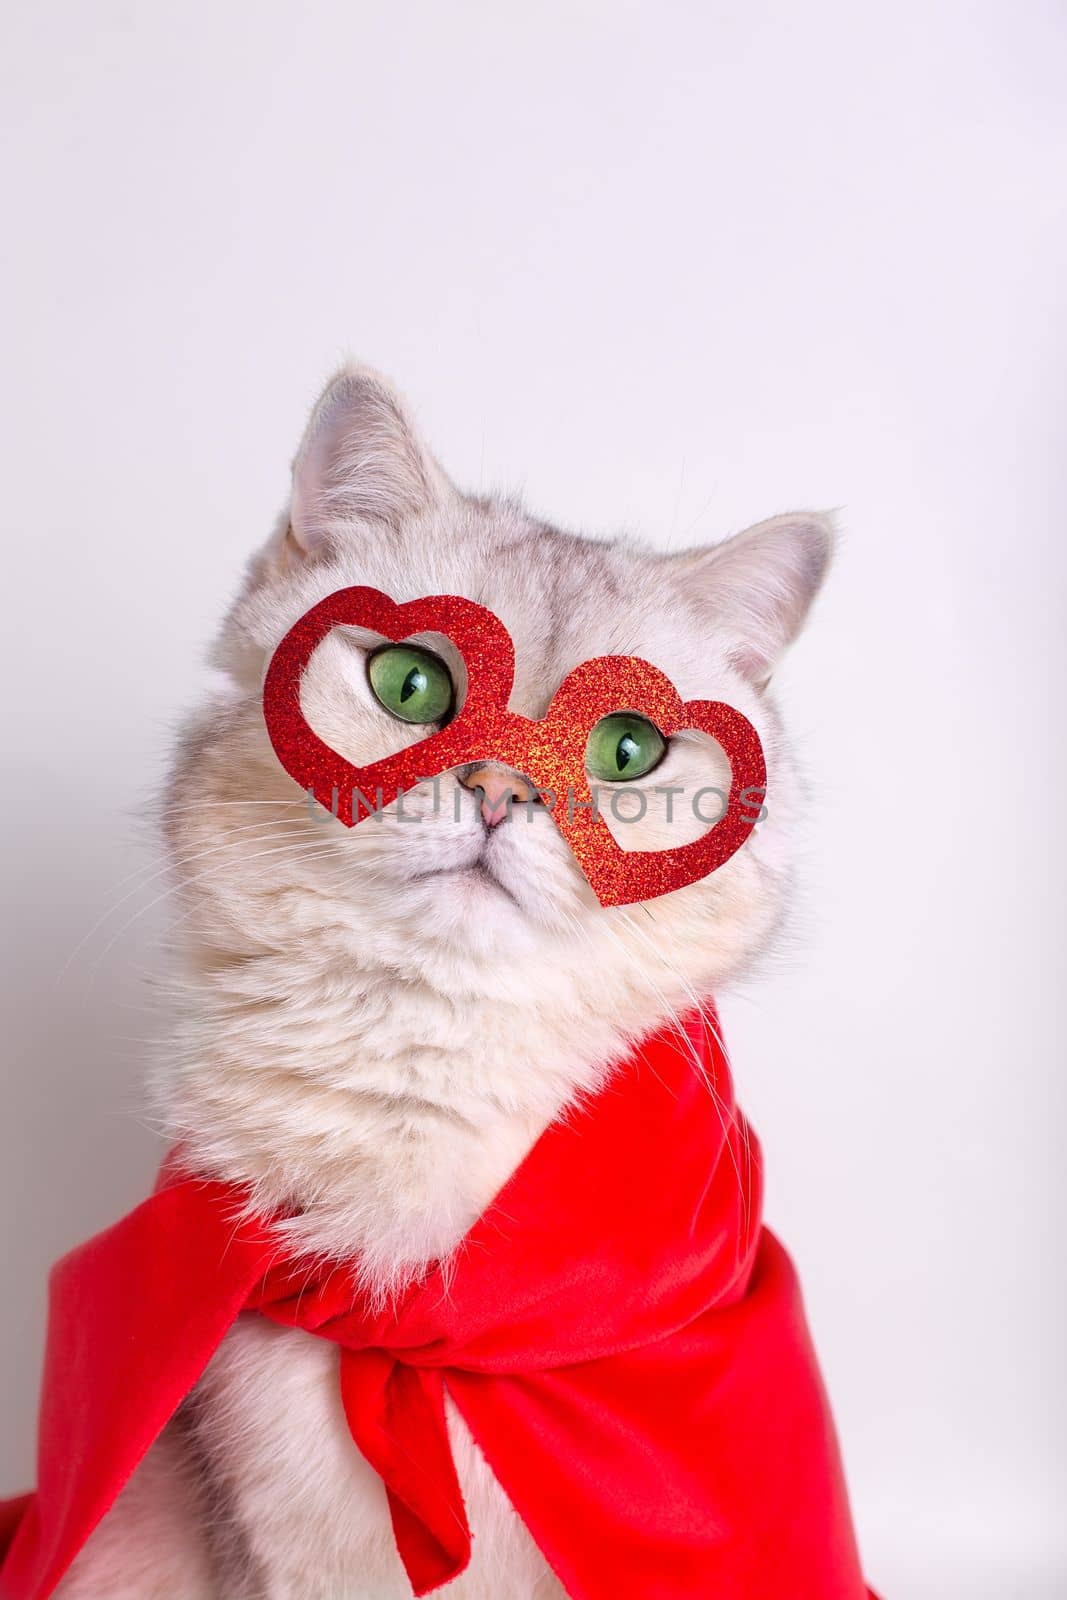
(499, 790)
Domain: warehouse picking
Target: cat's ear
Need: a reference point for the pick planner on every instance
(360, 459)
(756, 588)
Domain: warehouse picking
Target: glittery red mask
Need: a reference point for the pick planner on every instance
(550, 752)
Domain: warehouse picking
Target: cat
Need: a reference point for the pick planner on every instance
(373, 1025)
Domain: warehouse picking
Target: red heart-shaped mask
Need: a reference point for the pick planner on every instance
(550, 752)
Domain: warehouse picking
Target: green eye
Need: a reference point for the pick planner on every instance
(411, 683)
(623, 746)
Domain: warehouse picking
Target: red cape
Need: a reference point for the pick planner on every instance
(623, 1338)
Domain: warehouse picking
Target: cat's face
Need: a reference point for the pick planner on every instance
(436, 891)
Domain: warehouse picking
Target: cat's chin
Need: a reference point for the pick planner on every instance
(502, 896)
(476, 881)
(482, 918)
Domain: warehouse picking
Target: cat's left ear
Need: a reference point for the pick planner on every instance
(756, 589)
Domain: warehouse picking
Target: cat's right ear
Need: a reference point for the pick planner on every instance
(361, 460)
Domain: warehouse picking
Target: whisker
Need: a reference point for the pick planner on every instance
(165, 809)
(724, 1113)
(323, 846)
(151, 873)
(335, 883)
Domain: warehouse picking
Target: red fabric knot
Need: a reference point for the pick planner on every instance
(396, 1414)
(394, 1403)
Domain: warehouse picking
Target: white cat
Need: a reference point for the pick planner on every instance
(374, 1024)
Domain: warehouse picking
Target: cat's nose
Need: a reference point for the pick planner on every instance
(499, 790)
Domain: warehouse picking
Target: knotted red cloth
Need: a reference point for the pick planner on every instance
(623, 1338)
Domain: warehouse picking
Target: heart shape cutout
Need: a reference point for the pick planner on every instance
(550, 751)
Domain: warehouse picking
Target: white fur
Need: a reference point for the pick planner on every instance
(368, 1031)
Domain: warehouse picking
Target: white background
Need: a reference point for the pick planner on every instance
(668, 269)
